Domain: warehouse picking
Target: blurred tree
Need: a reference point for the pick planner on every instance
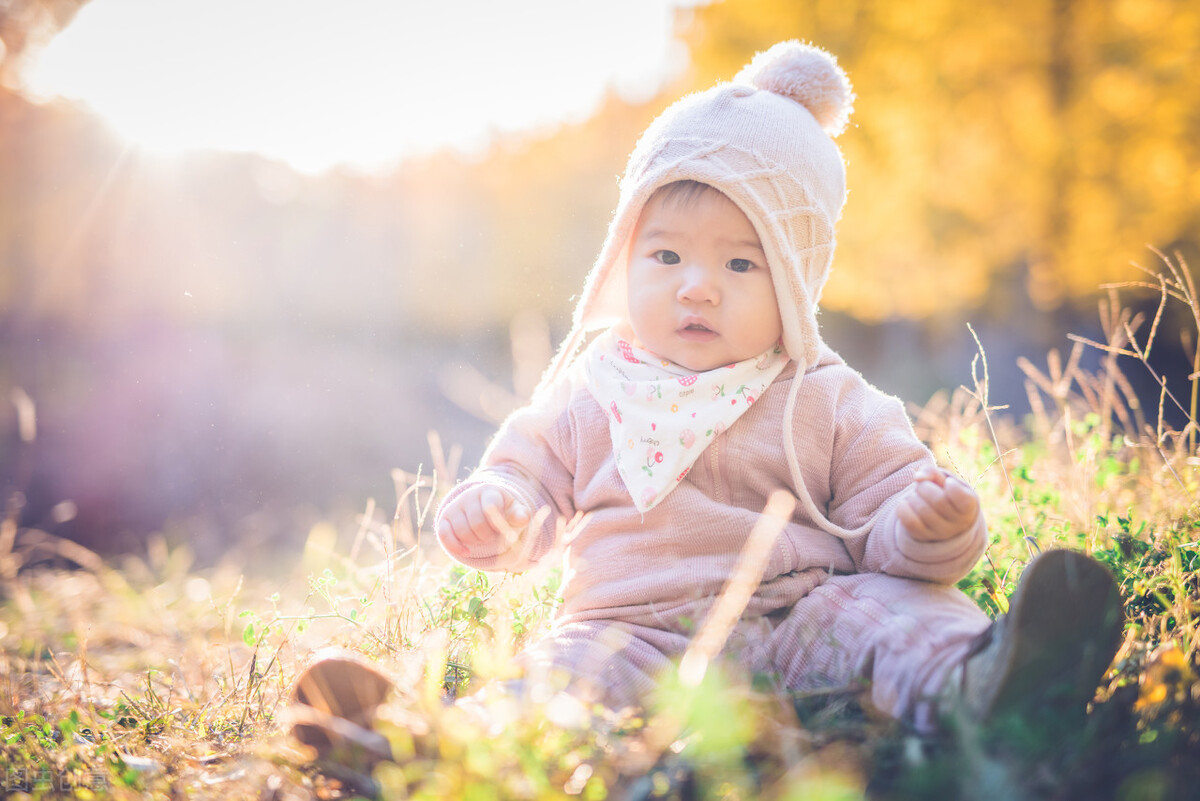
(520, 227)
(26, 25)
(1037, 142)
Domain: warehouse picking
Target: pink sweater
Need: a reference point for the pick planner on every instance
(858, 454)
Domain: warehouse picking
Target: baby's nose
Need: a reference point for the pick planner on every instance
(698, 286)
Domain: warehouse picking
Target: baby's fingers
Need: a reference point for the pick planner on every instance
(452, 528)
(467, 528)
(938, 513)
(953, 500)
(504, 513)
(930, 473)
(516, 514)
(962, 498)
(921, 521)
(481, 511)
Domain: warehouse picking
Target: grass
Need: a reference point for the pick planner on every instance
(151, 678)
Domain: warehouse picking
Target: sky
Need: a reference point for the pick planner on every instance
(361, 83)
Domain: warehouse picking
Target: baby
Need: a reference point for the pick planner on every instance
(648, 454)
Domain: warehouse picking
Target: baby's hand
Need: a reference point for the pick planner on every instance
(483, 521)
(938, 508)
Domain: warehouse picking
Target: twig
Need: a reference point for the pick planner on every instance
(738, 590)
(981, 394)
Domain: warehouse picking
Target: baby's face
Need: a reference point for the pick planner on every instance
(700, 292)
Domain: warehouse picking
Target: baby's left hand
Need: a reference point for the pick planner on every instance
(938, 508)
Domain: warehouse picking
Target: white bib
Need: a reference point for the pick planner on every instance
(662, 416)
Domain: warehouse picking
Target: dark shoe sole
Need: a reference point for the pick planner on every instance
(1062, 630)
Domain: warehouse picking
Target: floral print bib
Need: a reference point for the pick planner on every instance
(661, 416)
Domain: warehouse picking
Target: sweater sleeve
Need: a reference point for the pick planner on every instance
(875, 458)
(532, 458)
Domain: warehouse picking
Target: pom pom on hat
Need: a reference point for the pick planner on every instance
(808, 75)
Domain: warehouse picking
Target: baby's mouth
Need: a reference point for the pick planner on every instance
(696, 330)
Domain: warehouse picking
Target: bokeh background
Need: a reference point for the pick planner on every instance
(226, 340)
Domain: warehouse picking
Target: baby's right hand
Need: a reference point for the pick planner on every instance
(483, 521)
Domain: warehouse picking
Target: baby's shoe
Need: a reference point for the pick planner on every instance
(333, 707)
(1043, 660)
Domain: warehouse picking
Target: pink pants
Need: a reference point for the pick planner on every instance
(901, 637)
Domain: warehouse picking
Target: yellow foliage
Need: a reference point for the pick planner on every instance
(1046, 139)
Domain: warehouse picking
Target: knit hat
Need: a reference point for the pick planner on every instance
(766, 141)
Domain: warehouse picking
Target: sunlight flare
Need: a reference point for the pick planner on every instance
(364, 82)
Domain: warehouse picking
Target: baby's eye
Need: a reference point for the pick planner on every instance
(740, 265)
(667, 256)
